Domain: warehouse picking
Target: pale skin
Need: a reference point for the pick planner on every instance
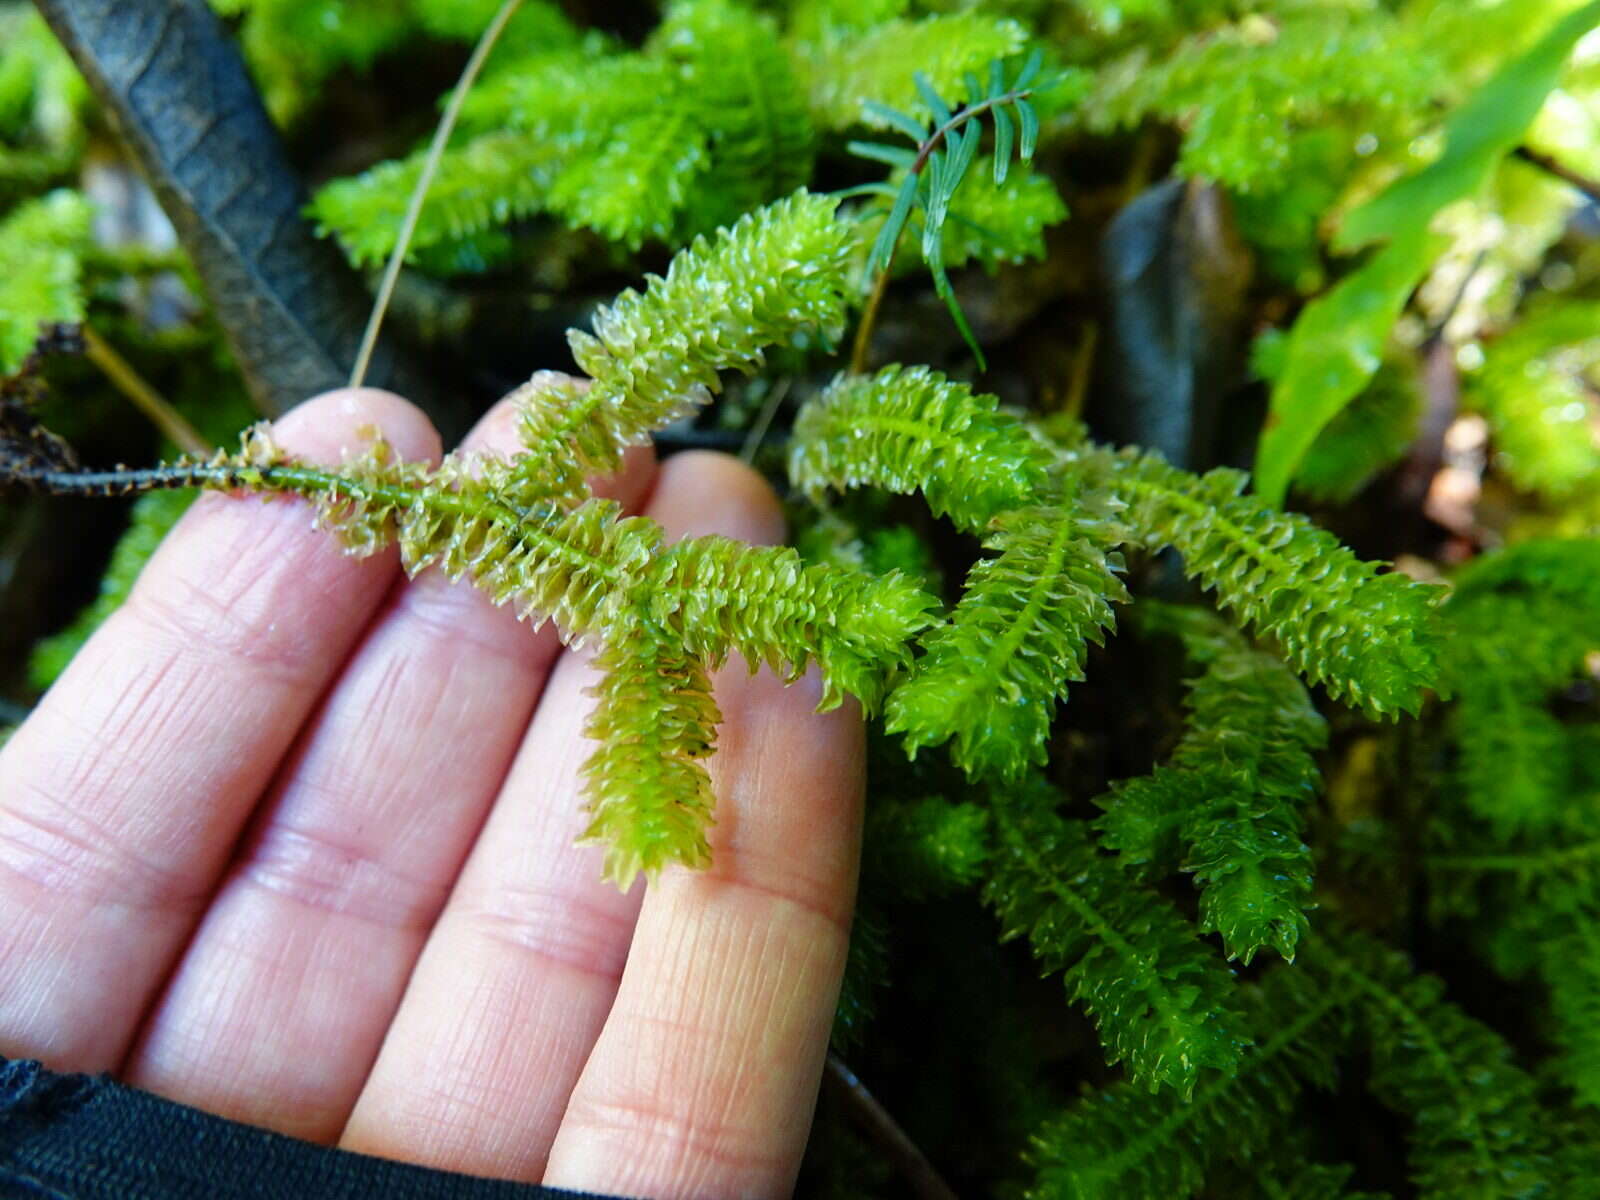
(292, 841)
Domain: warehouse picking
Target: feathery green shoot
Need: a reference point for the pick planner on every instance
(1233, 793)
(907, 429)
(1368, 638)
(1158, 996)
(946, 146)
(1018, 637)
(776, 275)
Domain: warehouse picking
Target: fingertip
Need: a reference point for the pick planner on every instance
(702, 492)
(339, 424)
(499, 432)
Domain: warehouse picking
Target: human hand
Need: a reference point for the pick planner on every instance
(292, 841)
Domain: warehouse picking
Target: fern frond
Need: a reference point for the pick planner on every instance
(908, 429)
(649, 796)
(1476, 1128)
(989, 678)
(932, 175)
(779, 273)
(846, 72)
(1158, 997)
(1233, 791)
(1368, 638)
(42, 244)
(1123, 1143)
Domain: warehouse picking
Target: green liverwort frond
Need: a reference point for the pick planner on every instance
(1160, 999)
(42, 244)
(666, 615)
(1476, 1129)
(850, 70)
(739, 88)
(1233, 792)
(1018, 637)
(1368, 638)
(1120, 1142)
(719, 595)
(648, 792)
(1533, 389)
(907, 429)
(1521, 624)
(777, 274)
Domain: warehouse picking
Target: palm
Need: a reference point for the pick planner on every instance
(292, 841)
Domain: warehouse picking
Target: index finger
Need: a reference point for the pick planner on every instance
(122, 795)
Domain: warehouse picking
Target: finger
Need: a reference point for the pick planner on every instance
(704, 1079)
(122, 795)
(278, 1008)
(516, 981)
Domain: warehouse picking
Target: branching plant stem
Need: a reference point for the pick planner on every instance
(925, 150)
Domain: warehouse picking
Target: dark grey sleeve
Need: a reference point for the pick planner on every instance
(83, 1137)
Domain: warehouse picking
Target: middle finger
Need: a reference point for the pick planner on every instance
(280, 1003)
(520, 974)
